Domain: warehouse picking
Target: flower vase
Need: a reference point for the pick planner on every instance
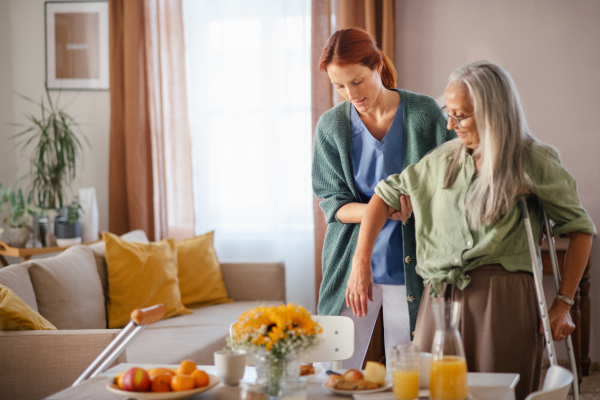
(272, 369)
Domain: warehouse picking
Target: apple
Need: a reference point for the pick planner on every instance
(353, 375)
(136, 379)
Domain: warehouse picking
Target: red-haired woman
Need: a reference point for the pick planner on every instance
(377, 131)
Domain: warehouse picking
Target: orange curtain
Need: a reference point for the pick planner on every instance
(150, 174)
(377, 18)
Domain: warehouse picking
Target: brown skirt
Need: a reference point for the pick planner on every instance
(499, 325)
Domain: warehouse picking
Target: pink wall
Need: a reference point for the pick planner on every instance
(552, 50)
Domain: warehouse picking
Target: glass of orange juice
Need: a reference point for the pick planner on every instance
(405, 371)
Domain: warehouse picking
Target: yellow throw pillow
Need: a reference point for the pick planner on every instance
(141, 275)
(16, 315)
(200, 278)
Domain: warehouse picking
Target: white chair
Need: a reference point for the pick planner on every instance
(557, 383)
(336, 342)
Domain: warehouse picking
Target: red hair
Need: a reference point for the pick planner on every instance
(356, 46)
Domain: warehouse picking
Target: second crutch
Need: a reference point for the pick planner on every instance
(539, 288)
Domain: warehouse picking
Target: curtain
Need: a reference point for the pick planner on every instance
(249, 79)
(150, 160)
(377, 18)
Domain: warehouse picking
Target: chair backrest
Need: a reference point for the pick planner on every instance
(557, 384)
(336, 342)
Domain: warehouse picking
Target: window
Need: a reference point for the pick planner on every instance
(248, 67)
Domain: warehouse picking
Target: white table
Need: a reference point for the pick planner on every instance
(482, 386)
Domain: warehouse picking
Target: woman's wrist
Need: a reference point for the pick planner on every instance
(565, 299)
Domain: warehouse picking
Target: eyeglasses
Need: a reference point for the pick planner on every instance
(454, 117)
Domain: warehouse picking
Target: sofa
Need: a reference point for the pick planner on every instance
(70, 291)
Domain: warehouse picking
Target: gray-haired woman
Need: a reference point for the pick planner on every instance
(476, 250)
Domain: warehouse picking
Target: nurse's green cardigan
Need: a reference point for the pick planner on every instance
(333, 181)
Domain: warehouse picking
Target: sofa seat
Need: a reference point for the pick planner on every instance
(195, 336)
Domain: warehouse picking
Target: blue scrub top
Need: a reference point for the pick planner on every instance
(373, 161)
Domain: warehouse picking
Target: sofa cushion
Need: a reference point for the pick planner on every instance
(16, 277)
(16, 315)
(195, 337)
(68, 289)
(138, 236)
(200, 278)
(141, 275)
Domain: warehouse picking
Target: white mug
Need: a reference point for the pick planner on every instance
(230, 366)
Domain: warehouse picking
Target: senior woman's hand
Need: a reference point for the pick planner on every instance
(560, 320)
(360, 287)
(405, 209)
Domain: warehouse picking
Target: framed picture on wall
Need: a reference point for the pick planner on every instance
(77, 45)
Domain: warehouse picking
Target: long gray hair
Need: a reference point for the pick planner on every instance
(504, 141)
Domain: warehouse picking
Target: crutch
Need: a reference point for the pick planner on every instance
(539, 289)
(140, 319)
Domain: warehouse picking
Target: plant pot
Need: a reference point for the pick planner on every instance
(67, 233)
(18, 237)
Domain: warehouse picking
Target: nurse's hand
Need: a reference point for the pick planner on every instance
(405, 209)
(360, 287)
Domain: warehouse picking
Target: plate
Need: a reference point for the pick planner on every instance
(387, 385)
(184, 394)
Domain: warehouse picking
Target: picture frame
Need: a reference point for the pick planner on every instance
(77, 53)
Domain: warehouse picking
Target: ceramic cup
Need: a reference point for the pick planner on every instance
(424, 370)
(230, 366)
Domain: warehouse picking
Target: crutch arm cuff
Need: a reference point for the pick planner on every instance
(565, 299)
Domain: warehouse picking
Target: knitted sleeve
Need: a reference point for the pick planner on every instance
(328, 176)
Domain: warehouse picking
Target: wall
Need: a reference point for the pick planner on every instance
(550, 47)
(22, 65)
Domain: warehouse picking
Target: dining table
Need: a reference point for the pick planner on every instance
(482, 386)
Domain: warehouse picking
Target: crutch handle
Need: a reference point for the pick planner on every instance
(148, 315)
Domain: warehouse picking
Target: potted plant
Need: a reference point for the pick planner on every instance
(67, 229)
(19, 215)
(55, 138)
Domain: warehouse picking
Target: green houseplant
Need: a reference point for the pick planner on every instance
(19, 215)
(55, 137)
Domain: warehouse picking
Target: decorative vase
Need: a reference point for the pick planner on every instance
(272, 369)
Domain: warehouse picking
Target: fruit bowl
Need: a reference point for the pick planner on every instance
(184, 394)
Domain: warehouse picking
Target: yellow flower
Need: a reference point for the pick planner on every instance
(279, 329)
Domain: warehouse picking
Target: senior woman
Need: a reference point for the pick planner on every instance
(476, 249)
(377, 131)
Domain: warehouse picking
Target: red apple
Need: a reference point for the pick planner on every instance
(353, 375)
(136, 379)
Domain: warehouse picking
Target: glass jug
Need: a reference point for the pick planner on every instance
(448, 377)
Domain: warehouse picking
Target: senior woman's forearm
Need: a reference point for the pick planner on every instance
(375, 215)
(576, 258)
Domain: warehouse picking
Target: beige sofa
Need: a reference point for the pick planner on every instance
(67, 289)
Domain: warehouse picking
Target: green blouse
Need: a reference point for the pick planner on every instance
(447, 248)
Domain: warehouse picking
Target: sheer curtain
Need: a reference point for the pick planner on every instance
(248, 67)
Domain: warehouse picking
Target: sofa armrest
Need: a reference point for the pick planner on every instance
(254, 281)
(36, 364)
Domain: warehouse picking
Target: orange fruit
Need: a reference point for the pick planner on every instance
(186, 367)
(182, 382)
(119, 380)
(161, 383)
(201, 378)
(154, 372)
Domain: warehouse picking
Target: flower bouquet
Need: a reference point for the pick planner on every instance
(276, 335)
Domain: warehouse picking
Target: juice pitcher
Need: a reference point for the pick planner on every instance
(448, 379)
